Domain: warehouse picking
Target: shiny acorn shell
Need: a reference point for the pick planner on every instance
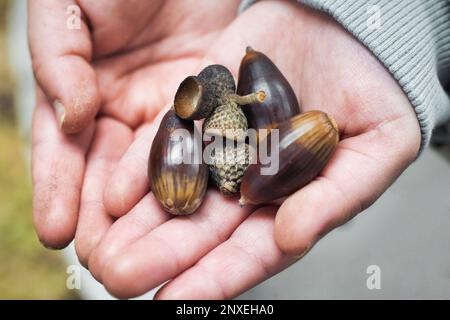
(198, 96)
(257, 72)
(306, 144)
(179, 185)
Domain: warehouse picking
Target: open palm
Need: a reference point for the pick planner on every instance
(223, 249)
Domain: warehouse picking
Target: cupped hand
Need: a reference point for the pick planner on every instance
(100, 86)
(223, 249)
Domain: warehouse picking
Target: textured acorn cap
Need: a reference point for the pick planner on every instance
(197, 96)
(227, 120)
(219, 80)
(227, 166)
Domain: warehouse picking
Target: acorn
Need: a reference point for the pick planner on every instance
(258, 73)
(305, 145)
(178, 176)
(227, 166)
(197, 96)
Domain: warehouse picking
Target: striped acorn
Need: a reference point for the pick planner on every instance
(178, 177)
(306, 144)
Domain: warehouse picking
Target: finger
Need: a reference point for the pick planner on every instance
(142, 219)
(129, 182)
(58, 169)
(110, 142)
(172, 247)
(61, 53)
(249, 257)
(362, 168)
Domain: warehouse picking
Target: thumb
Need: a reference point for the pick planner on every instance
(61, 51)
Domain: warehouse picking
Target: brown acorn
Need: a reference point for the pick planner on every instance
(258, 73)
(305, 145)
(227, 166)
(178, 176)
(197, 96)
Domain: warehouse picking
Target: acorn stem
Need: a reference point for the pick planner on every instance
(257, 97)
(249, 49)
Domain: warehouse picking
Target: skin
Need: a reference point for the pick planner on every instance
(82, 181)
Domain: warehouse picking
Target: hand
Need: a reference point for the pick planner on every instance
(142, 250)
(125, 62)
(224, 250)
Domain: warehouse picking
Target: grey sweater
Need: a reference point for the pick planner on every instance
(413, 43)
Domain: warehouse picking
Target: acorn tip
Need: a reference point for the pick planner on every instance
(242, 201)
(249, 49)
(333, 123)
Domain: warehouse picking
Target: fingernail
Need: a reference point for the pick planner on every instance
(60, 111)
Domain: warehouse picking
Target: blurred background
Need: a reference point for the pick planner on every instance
(406, 233)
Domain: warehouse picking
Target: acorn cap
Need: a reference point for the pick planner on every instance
(193, 100)
(227, 166)
(220, 81)
(227, 120)
(197, 96)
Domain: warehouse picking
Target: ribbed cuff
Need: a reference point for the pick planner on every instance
(412, 41)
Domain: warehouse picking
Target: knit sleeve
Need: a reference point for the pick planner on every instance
(411, 38)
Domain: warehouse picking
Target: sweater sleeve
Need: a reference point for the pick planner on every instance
(412, 40)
